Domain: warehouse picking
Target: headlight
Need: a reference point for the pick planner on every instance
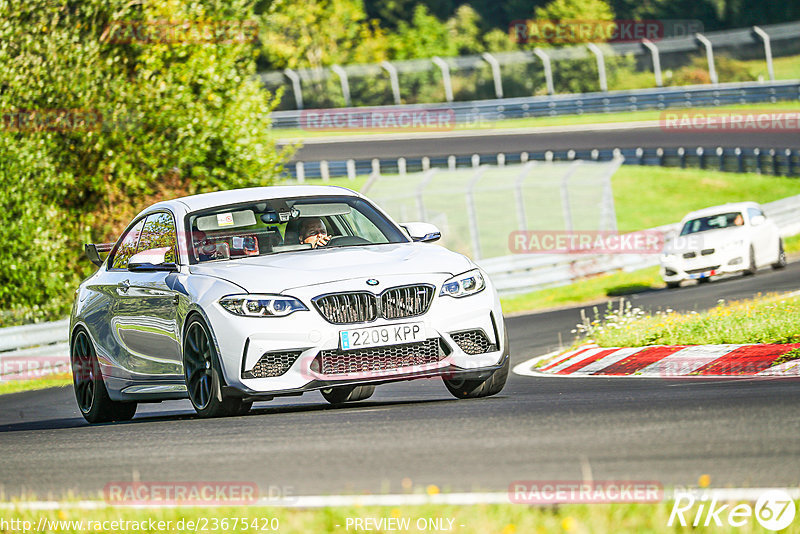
(463, 285)
(261, 305)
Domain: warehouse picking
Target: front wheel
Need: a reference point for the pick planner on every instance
(90, 390)
(342, 394)
(751, 266)
(473, 389)
(203, 374)
(781, 261)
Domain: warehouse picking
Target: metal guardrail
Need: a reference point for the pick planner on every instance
(776, 161)
(36, 348)
(477, 111)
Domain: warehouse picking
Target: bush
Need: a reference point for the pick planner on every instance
(131, 121)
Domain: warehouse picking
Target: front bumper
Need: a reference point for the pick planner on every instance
(242, 341)
(676, 268)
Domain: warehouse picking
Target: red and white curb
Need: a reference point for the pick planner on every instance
(665, 361)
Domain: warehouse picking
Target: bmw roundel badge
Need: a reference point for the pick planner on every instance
(372, 282)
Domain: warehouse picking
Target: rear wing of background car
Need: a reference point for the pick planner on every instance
(93, 251)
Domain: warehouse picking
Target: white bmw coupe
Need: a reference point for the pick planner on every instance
(239, 296)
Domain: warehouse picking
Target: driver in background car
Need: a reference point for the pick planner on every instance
(313, 232)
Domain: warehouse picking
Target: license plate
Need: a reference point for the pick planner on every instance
(702, 275)
(378, 336)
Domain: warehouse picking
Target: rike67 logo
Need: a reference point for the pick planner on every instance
(774, 510)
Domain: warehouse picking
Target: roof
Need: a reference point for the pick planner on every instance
(722, 208)
(235, 196)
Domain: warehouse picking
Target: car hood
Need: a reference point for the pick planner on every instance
(287, 270)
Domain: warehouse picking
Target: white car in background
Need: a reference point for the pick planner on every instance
(730, 238)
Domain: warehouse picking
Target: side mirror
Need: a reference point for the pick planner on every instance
(757, 220)
(152, 260)
(422, 231)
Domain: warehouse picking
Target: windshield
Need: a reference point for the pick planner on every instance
(712, 222)
(284, 225)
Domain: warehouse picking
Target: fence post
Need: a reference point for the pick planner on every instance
(712, 70)
(340, 72)
(721, 154)
(401, 166)
(601, 65)
(324, 171)
(426, 163)
(548, 70)
(767, 50)
(351, 169)
(701, 157)
(789, 162)
(640, 156)
(448, 86)
(376, 167)
(776, 167)
(300, 171)
(423, 216)
(650, 45)
(739, 159)
(451, 163)
(682, 156)
(472, 216)
(393, 81)
(498, 81)
(476, 160)
(522, 218)
(297, 89)
(660, 155)
(501, 159)
(757, 154)
(565, 208)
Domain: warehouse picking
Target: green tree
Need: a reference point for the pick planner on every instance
(106, 111)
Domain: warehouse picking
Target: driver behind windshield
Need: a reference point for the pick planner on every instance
(313, 232)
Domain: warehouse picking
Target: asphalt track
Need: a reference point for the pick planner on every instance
(583, 137)
(740, 432)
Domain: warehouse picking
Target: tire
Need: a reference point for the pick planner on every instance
(473, 389)
(705, 280)
(203, 374)
(673, 285)
(752, 268)
(781, 263)
(90, 390)
(342, 394)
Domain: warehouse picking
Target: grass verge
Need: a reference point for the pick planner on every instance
(476, 519)
(15, 386)
(544, 122)
(764, 319)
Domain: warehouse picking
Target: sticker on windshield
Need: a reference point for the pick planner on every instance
(224, 219)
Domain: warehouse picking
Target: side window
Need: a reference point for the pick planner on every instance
(159, 232)
(127, 246)
(753, 212)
